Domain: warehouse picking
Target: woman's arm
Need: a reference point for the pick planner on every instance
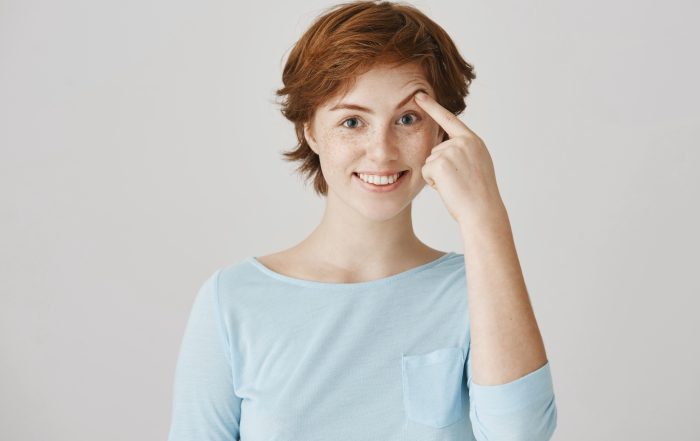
(205, 406)
(508, 375)
(505, 340)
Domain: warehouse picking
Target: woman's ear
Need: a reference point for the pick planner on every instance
(309, 138)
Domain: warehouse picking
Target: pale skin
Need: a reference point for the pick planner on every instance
(366, 236)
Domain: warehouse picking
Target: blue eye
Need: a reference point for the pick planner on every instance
(349, 119)
(411, 114)
(415, 119)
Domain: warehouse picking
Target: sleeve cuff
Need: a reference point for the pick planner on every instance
(522, 392)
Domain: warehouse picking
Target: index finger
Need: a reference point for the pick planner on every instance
(445, 119)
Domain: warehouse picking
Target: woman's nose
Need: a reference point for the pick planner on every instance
(382, 146)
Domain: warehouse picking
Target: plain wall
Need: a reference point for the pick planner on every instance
(141, 150)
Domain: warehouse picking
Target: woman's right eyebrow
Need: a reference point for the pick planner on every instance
(351, 106)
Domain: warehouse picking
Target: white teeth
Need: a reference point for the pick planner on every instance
(379, 180)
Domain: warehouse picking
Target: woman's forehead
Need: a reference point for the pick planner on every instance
(379, 82)
(389, 73)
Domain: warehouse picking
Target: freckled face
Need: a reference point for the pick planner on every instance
(380, 137)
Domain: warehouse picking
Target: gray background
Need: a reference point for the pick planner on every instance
(141, 151)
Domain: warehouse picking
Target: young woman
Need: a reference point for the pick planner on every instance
(361, 331)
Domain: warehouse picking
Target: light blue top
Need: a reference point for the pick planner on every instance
(268, 357)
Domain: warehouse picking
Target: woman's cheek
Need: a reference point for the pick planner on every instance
(338, 148)
(335, 136)
(419, 139)
(349, 143)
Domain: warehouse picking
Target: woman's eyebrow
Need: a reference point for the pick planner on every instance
(370, 111)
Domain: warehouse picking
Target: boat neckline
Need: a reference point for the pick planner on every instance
(338, 285)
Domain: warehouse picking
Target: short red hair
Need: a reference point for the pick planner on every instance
(346, 41)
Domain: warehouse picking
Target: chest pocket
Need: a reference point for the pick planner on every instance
(432, 386)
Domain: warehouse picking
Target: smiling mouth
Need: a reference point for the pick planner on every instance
(401, 173)
(382, 188)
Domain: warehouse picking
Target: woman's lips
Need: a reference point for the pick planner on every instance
(382, 188)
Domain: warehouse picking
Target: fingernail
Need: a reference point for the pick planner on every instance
(420, 96)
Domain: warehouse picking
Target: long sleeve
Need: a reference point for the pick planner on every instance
(524, 409)
(205, 406)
